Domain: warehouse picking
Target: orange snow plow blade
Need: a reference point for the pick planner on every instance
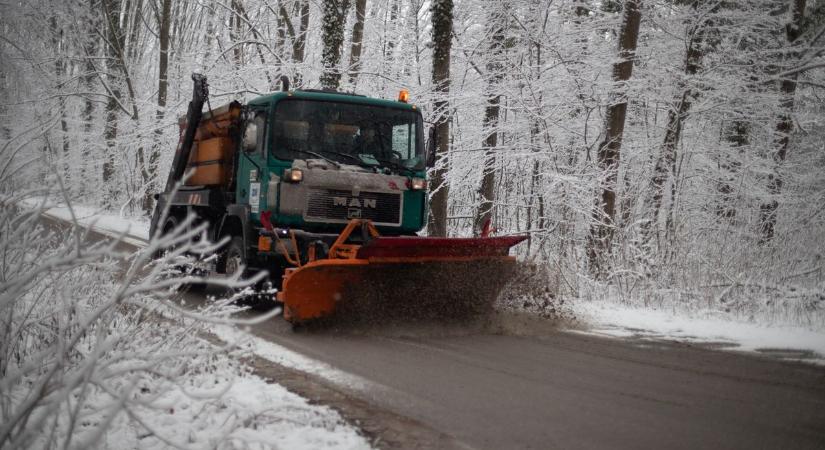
(406, 277)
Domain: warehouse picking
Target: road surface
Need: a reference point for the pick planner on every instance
(549, 388)
(555, 389)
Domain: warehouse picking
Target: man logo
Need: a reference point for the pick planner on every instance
(354, 202)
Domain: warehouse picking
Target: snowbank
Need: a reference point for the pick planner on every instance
(617, 320)
(135, 231)
(116, 366)
(251, 413)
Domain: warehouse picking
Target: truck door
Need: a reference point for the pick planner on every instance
(252, 173)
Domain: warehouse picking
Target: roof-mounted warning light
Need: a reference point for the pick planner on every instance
(404, 96)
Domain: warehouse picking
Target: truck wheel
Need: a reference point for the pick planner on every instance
(229, 262)
(231, 259)
(168, 226)
(184, 269)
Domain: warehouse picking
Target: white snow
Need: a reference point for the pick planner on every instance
(250, 413)
(223, 407)
(133, 230)
(622, 321)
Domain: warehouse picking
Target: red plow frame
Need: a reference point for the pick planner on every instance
(439, 276)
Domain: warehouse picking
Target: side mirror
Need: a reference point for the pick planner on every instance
(432, 146)
(250, 137)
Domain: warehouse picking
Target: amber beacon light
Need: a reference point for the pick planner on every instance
(404, 96)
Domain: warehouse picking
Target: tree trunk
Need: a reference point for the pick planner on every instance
(389, 41)
(163, 83)
(133, 28)
(117, 58)
(235, 31)
(357, 41)
(784, 125)
(5, 131)
(335, 16)
(676, 116)
(90, 52)
(210, 36)
(601, 233)
(111, 14)
(299, 44)
(536, 221)
(495, 73)
(737, 134)
(59, 72)
(442, 18)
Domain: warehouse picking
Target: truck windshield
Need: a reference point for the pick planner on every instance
(348, 133)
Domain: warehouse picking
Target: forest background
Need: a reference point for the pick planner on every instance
(659, 152)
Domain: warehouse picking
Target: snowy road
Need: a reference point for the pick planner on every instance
(563, 390)
(555, 389)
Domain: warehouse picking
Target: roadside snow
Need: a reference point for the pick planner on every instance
(617, 320)
(251, 413)
(135, 231)
(209, 402)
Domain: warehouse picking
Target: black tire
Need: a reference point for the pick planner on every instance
(231, 258)
(229, 261)
(170, 224)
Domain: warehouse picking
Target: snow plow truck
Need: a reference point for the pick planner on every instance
(326, 191)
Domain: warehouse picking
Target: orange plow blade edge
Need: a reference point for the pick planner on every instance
(401, 277)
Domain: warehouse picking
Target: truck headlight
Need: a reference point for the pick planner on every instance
(293, 175)
(418, 184)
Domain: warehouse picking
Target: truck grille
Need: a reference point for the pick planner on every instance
(334, 205)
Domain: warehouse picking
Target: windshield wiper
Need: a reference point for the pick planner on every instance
(394, 165)
(384, 162)
(307, 152)
(363, 163)
(347, 155)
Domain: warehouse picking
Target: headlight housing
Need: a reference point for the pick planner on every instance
(293, 175)
(418, 184)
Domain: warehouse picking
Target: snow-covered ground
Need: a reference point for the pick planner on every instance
(220, 405)
(248, 413)
(133, 230)
(618, 320)
(605, 318)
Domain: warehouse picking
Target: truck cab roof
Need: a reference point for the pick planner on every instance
(331, 96)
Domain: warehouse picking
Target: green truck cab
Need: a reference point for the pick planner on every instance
(306, 161)
(323, 158)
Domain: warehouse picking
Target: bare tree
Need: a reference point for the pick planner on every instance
(90, 47)
(299, 45)
(335, 16)
(60, 63)
(235, 32)
(601, 233)
(442, 18)
(677, 115)
(784, 125)
(115, 41)
(163, 84)
(357, 42)
(71, 364)
(497, 24)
